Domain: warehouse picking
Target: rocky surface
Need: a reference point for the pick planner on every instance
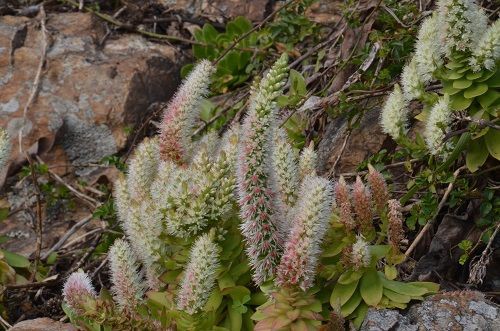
(362, 142)
(42, 324)
(467, 311)
(91, 89)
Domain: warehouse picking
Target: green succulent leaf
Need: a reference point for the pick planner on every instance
(477, 153)
(371, 287)
(475, 90)
(462, 84)
(350, 306)
(403, 288)
(342, 293)
(488, 98)
(459, 102)
(350, 276)
(15, 260)
(492, 140)
(396, 297)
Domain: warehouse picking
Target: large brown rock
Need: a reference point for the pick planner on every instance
(90, 91)
(42, 324)
(221, 10)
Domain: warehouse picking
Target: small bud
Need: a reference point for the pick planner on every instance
(78, 290)
(378, 187)
(395, 229)
(362, 205)
(360, 253)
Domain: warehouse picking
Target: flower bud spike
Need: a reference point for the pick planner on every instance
(143, 168)
(360, 254)
(394, 116)
(439, 117)
(308, 161)
(128, 287)
(313, 211)
(285, 179)
(378, 188)
(395, 228)
(179, 119)
(78, 290)
(343, 203)
(199, 275)
(362, 204)
(487, 54)
(262, 224)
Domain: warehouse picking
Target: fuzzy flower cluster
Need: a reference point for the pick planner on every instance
(428, 49)
(463, 23)
(458, 33)
(199, 276)
(308, 161)
(394, 115)
(487, 52)
(78, 290)
(313, 210)
(378, 187)
(360, 253)
(395, 217)
(179, 118)
(343, 203)
(438, 120)
(128, 286)
(4, 148)
(362, 203)
(286, 179)
(174, 188)
(262, 224)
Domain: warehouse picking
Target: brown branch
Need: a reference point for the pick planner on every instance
(39, 225)
(430, 223)
(36, 83)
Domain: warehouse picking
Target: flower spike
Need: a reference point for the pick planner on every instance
(179, 119)
(362, 204)
(4, 148)
(78, 290)
(300, 259)
(199, 277)
(262, 225)
(439, 117)
(394, 115)
(378, 187)
(125, 277)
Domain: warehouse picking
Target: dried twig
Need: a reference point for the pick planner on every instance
(93, 203)
(39, 226)
(66, 236)
(36, 83)
(478, 269)
(430, 223)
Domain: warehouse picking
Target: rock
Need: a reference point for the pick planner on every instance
(89, 94)
(364, 141)
(221, 10)
(468, 311)
(42, 324)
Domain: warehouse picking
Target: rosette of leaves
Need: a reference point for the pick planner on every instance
(457, 48)
(477, 93)
(290, 309)
(362, 262)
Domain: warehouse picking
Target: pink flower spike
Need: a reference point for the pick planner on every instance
(78, 290)
(378, 187)
(362, 205)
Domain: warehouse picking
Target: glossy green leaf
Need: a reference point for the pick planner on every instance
(15, 260)
(350, 276)
(459, 102)
(477, 153)
(492, 140)
(214, 300)
(342, 293)
(396, 297)
(475, 90)
(494, 81)
(453, 75)
(461, 83)
(486, 75)
(474, 75)
(390, 272)
(371, 287)
(488, 98)
(350, 306)
(430, 286)
(360, 313)
(403, 288)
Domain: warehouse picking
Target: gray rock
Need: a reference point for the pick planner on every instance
(467, 311)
